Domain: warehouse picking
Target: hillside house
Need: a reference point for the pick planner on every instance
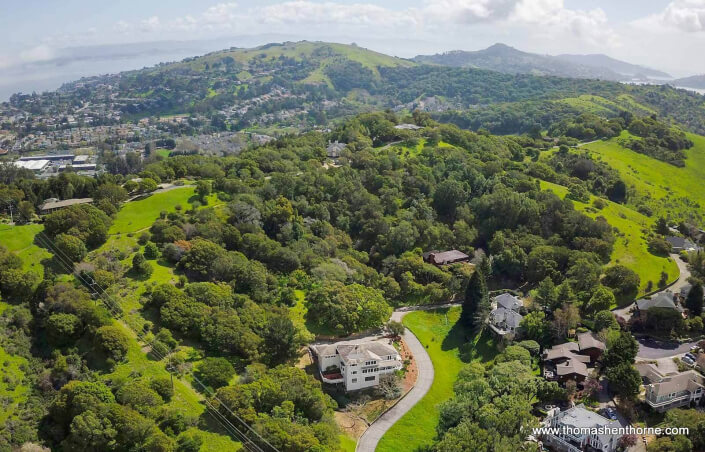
(679, 244)
(440, 258)
(505, 319)
(570, 361)
(664, 391)
(52, 204)
(356, 365)
(662, 300)
(579, 430)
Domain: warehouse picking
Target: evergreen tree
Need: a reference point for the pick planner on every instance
(694, 300)
(476, 305)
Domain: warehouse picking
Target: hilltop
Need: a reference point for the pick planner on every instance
(503, 58)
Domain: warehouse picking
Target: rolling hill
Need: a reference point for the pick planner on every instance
(621, 67)
(695, 81)
(503, 58)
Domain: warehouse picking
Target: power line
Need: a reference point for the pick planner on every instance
(115, 309)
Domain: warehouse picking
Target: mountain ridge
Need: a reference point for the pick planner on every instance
(503, 58)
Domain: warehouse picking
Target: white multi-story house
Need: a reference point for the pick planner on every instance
(356, 365)
(671, 390)
(578, 429)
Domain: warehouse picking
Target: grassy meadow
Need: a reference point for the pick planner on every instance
(669, 191)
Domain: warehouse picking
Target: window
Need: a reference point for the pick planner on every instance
(354, 372)
(354, 380)
(372, 378)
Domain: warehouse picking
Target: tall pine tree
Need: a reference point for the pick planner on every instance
(694, 300)
(476, 306)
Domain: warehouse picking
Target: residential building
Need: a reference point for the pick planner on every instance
(505, 319)
(667, 390)
(356, 365)
(570, 361)
(663, 300)
(579, 430)
(445, 257)
(334, 150)
(52, 204)
(679, 244)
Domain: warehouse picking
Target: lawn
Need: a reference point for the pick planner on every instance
(630, 248)
(445, 342)
(138, 215)
(20, 240)
(347, 444)
(162, 152)
(666, 189)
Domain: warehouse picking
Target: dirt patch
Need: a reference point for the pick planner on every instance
(350, 424)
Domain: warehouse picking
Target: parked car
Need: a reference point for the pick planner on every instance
(611, 413)
(688, 361)
(694, 349)
(691, 356)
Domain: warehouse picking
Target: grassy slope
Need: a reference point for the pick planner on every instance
(599, 105)
(20, 240)
(139, 215)
(669, 191)
(630, 248)
(439, 332)
(304, 50)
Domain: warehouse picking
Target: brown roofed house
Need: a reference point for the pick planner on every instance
(445, 257)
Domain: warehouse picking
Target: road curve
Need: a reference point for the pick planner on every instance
(369, 440)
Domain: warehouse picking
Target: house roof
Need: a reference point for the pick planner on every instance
(334, 149)
(587, 340)
(572, 366)
(661, 300)
(65, 203)
(580, 417)
(407, 127)
(356, 353)
(444, 257)
(684, 381)
(680, 242)
(566, 350)
(508, 301)
(505, 316)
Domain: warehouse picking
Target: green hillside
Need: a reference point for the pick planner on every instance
(665, 189)
(630, 249)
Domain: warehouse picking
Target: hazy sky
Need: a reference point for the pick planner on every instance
(668, 35)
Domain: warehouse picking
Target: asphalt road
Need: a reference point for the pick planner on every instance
(654, 349)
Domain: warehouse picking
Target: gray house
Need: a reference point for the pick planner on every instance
(679, 244)
(505, 318)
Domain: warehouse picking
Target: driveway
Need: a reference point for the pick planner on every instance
(654, 349)
(369, 440)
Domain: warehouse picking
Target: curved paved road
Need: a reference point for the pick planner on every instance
(369, 440)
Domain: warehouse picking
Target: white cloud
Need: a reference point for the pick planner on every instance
(685, 15)
(37, 54)
(150, 25)
(332, 13)
(468, 11)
